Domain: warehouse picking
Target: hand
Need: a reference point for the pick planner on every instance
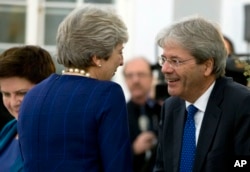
(145, 141)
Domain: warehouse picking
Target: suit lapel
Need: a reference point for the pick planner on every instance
(208, 130)
(209, 124)
(179, 117)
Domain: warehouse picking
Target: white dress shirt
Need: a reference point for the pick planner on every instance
(200, 104)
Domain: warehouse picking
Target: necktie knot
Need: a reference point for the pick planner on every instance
(192, 110)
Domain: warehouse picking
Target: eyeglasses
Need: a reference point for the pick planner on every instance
(174, 63)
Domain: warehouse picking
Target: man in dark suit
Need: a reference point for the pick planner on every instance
(193, 63)
(143, 113)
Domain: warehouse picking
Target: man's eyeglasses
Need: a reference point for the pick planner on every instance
(174, 63)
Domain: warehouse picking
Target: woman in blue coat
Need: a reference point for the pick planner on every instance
(77, 121)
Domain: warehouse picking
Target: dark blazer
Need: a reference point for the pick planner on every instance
(152, 110)
(75, 124)
(224, 134)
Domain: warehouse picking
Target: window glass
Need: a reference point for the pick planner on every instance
(61, 0)
(11, 1)
(53, 18)
(12, 23)
(99, 1)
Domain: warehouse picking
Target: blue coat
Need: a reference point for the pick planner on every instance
(74, 123)
(10, 156)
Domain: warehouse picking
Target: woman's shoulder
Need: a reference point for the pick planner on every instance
(110, 85)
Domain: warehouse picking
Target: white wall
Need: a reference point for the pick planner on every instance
(209, 8)
(233, 23)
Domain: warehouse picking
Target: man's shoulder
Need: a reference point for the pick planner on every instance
(231, 87)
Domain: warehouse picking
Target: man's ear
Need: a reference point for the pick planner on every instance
(208, 67)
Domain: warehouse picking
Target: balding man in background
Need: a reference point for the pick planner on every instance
(143, 113)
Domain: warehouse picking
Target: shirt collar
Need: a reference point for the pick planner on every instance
(201, 102)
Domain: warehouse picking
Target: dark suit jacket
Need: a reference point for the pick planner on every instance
(72, 124)
(224, 134)
(152, 111)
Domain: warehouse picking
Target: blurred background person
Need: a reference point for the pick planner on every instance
(143, 113)
(21, 68)
(234, 65)
(78, 121)
(229, 46)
